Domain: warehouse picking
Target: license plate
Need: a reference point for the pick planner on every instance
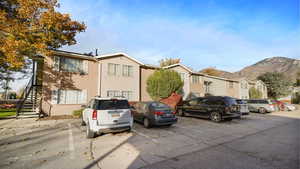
(115, 115)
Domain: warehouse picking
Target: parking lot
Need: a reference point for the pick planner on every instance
(255, 141)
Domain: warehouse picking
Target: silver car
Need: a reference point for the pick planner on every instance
(260, 106)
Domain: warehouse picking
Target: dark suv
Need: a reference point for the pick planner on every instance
(216, 108)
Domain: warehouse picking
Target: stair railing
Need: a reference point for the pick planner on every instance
(24, 95)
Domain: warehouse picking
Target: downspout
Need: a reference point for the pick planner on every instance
(140, 83)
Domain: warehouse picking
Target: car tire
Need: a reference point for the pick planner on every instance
(262, 110)
(89, 132)
(82, 121)
(181, 113)
(146, 123)
(216, 117)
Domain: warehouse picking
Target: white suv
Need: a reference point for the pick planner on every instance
(103, 115)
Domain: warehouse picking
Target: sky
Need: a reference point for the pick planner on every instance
(225, 34)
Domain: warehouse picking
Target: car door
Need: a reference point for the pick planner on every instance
(190, 106)
(205, 107)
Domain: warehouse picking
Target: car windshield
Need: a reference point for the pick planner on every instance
(111, 104)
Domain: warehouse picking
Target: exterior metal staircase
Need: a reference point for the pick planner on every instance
(29, 103)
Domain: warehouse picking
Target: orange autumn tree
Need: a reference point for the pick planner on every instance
(31, 27)
(211, 71)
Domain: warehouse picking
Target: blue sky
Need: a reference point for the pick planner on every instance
(226, 34)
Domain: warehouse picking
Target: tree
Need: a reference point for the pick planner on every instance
(162, 83)
(211, 71)
(168, 61)
(254, 93)
(277, 84)
(32, 27)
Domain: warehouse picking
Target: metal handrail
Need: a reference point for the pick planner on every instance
(24, 95)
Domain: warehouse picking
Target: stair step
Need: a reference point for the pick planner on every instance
(28, 113)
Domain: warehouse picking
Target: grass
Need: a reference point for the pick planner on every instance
(7, 112)
(77, 113)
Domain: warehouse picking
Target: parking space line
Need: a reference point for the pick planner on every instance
(144, 135)
(71, 142)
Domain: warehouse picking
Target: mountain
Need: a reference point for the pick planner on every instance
(288, 66)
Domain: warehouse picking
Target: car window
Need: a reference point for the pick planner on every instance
(158, 105)
(112, 104)
(193, 102)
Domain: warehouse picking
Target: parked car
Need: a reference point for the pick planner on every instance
(243, 106)
(260, 105)
(103, 115)
(289, 107)
(216, 108)
(280, 105)
(153, 114)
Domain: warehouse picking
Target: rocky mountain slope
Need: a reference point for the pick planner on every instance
(288, 66)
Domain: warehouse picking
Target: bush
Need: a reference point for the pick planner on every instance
(77, 113)
(296, 98)
(254, 93)
(162, 83)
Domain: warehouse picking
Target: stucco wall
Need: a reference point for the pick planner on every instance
(218, 87)
(145, 73)
(119, 82)
(186, 85)
(233, 92)
(197, 87)
(53, 80)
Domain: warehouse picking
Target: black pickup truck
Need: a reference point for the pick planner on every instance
(216, 108)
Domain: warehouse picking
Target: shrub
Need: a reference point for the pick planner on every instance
(77, 113)
(162, 83)
(254, 93)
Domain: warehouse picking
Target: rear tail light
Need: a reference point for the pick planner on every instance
(94, 115)
(174, 112)
(159, 113)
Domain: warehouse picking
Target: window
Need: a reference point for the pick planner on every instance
(195, 79)
(69, 96)
(111, 104)
(127, 94)
(113, 69)
(113, 93)
(230, 84)
(127, 70)
(70, 65)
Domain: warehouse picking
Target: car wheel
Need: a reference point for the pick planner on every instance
(146, 123)
(89, 132)
(216, 117)
(180, 112)
(262, 110)
(82, 122)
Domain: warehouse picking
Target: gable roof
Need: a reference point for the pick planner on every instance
(73, 55)
(106, 56)
(183, 66)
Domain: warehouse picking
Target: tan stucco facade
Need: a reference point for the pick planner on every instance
(119, 82)
(54, 80)
(145, 73)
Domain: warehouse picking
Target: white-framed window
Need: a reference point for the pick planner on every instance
(195, 79)
(127, 70)
(230, 84)
(70, 65)
(127, 94)
(113, 93)
(113, 69)
(69, 96)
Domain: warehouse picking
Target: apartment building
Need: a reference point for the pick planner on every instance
(119, 75)
(68, 80)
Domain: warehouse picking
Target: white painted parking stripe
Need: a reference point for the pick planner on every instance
(71, 142)
(144, 135)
